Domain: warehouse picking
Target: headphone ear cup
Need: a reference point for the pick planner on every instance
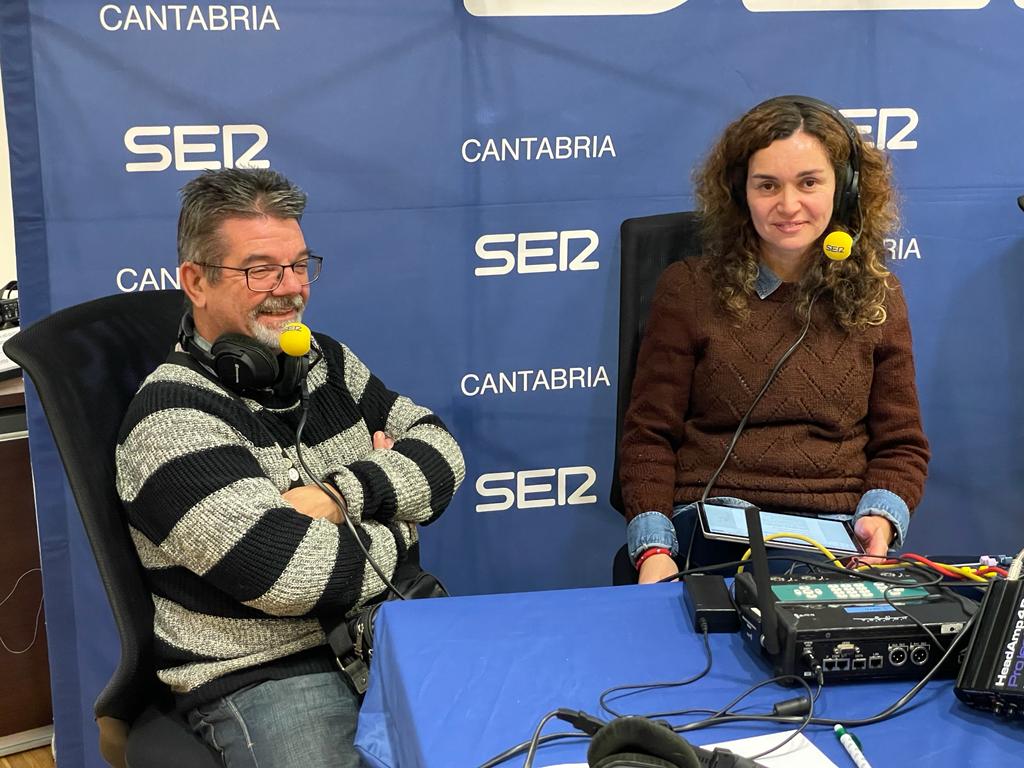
(631, 760)
(636, 742)
(847, 195)
(738, 187)
(852, 203)
(293, 371)
(242, 363)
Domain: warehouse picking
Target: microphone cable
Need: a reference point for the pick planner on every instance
(336, 498)
(746, 416)
(331, 492)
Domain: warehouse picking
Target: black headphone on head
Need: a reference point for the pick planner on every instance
(244, 365)
(847, 199)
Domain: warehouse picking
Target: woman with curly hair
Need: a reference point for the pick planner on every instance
(838, 431)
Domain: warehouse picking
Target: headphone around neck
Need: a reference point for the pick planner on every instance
(244, 365)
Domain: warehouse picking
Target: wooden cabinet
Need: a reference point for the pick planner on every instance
(25, 691)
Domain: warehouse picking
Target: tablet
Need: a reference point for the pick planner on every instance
(730, 524)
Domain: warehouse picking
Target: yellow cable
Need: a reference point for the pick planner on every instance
(879, 566)
(968, 572)
(801, 537)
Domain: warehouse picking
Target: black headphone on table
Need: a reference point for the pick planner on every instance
(244, 365)
(847, 199)
(636, 742)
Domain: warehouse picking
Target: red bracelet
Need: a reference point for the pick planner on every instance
(650, 552)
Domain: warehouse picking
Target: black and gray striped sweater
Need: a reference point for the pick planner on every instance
(240, 579)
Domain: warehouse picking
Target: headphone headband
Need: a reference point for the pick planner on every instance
(847, 199)
(823, 106)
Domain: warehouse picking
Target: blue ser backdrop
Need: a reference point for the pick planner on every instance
(468, 164)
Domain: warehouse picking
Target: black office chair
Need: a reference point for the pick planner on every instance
(648, 245)
(86, 363)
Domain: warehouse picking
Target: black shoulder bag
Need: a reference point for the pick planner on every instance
(351, 639)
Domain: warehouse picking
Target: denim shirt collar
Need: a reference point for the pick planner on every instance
(767, 282)
(206, 346)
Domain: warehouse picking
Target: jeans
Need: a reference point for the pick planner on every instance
(308, 721)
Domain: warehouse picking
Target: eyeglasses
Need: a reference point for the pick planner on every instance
(264, 278)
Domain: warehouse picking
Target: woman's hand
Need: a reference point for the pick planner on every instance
(657, 567)
(875, 533)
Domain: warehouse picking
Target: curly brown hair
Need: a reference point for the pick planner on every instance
(856, 286)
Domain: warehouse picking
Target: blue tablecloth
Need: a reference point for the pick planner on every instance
(456, 681)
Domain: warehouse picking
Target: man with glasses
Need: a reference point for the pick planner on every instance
(244, 553)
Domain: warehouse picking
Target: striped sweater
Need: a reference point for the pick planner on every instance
(240, 579)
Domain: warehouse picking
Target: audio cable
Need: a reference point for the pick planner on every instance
(296, 341)
(628, 690)
(746, 417)
(723, 715)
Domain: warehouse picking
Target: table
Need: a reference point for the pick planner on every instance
(456, 681)
(25, 709)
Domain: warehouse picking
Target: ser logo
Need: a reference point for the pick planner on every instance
(885, 128)
(536, 252)
(195, 147)
(532, 488)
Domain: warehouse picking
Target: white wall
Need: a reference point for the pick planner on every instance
(8, 270)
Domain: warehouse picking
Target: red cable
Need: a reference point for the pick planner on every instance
(944, 570)
(986, 568)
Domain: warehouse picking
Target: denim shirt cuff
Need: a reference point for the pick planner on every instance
(650, 529)
(887, 504)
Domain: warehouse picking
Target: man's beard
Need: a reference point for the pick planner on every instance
(271, 337)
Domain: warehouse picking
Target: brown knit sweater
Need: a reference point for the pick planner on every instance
(840, 418)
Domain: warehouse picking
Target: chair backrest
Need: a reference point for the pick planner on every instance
(86, 363)
(648, 245)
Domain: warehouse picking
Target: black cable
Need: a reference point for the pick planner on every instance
(700, 569)
(581, 720)
(532, 751)
(937, 580)
(333, 495)
(721, 711)
(637, 688)
(746, 416)
(803, 725)
(511, 752)
(885, 714)
(39, 613)
(726, 715)
(721, 716)
(918, 622)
